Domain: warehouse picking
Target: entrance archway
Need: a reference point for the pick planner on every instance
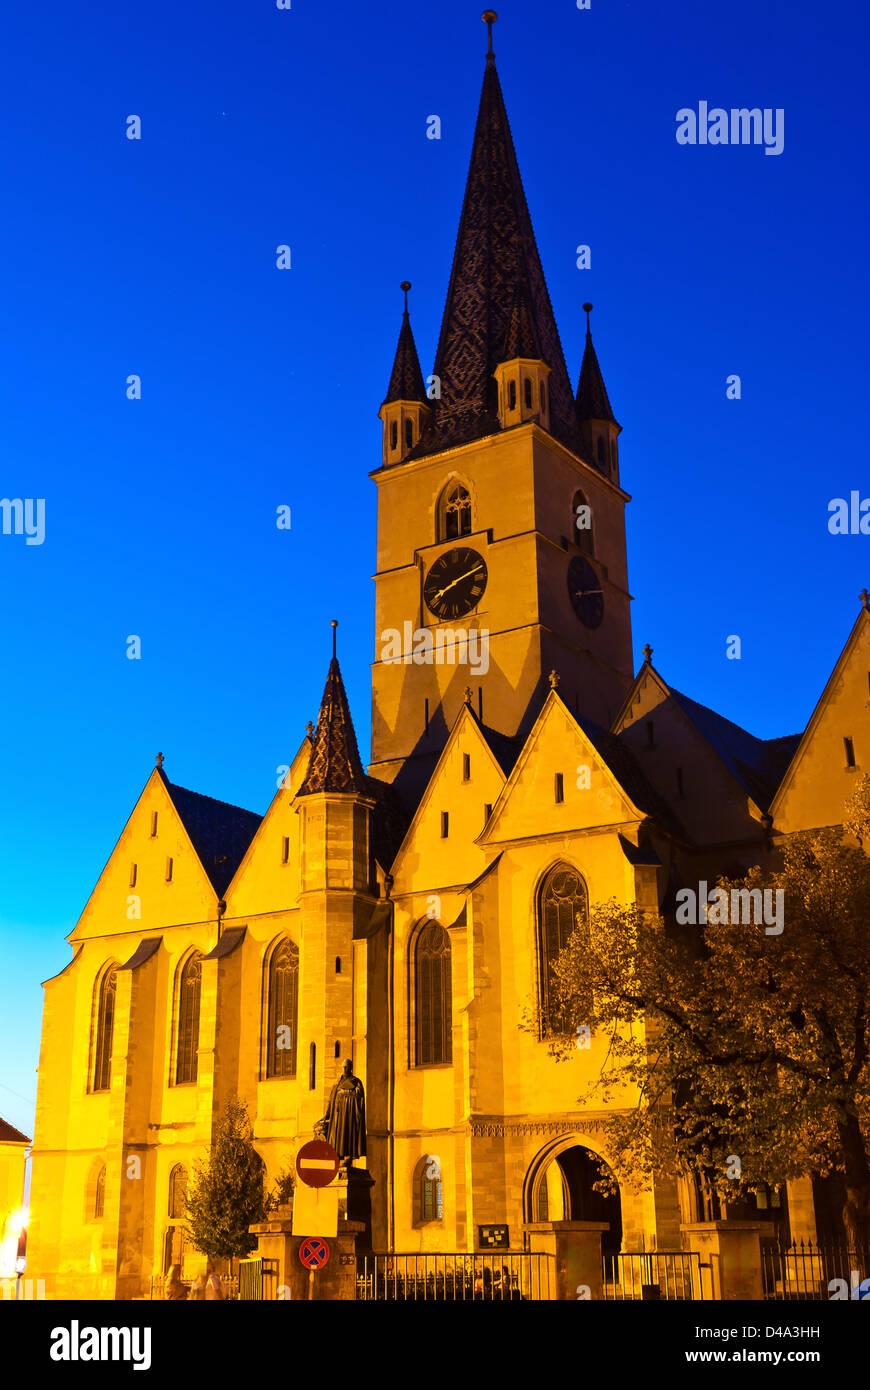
(560, 1187)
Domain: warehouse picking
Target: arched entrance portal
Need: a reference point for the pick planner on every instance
(560, 1187)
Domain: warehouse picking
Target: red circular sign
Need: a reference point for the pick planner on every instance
(314, 1252)
(317, 1163)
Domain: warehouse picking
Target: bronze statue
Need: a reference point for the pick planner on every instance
(344, 1124)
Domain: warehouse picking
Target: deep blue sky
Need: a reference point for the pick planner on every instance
(261, 387)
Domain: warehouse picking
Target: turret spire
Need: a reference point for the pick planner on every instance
(335, 762)
(406, 381)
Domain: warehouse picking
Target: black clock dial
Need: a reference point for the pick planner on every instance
(455, 583)
(584, 591)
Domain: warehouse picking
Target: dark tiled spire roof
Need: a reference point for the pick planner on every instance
(220, 833)
(495, 256)
(522, 336)
(335, 764)
(406, 382)
(592, 400)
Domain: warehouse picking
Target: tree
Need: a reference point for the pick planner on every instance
(746, 1050)
(227, 1193)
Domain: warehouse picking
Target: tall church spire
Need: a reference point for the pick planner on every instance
(406, 381)
(496, 260)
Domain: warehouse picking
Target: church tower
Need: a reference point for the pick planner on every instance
(501, 527)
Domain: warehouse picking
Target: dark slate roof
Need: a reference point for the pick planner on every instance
(231, 937)
(758, 764)
(522, 335)
(220, 833)
(592, 399)
(495, 256)
(389, 821)
(335, 762)
(406, 382)
(10, 1135)
(627, 772)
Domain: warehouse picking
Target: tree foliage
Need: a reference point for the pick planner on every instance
(725, 1041)
(227, 1192)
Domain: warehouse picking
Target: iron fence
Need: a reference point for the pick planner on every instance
(807, 1272)
(156, 1284)
(669, 1275)
(258, 1280)
(492, 1277)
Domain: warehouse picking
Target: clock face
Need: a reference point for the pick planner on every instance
(455, 583)
(584, 591)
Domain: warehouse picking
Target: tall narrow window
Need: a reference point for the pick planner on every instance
(850, 752)
(168, 870)
(338, 965)
(650, 734)
(560, 787)
(445, 824)
(153, 824)
(409, 433)
(285, 849)
(394, 434)
(132, 875)
(434, 1003)
(512, 395)
(527, 389)
(431, 1190)
(337, 1052)
(100, 1195)
(581, 522)
(105, 1031)
(487, 811)
(543, 390)
(177, 1191)
(312, 1066)
(283, 1011)
(466, 767)
(562, 906)
(189, 989)
(455, 517)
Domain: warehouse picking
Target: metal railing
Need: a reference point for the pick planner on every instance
(669, 1275)
(258, 1280)
(492, 1277)
(157, 1281)
(808, 1271)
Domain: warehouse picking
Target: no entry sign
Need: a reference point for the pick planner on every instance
(314, 1252)
(317, 1163)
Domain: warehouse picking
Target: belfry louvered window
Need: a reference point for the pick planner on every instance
(283, 1011)
(434, 1009)
(188, 1020)
(105, 1031)
(562, 905)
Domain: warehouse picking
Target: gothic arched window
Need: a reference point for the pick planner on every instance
(582, 524)
(100, 1195)
(177, 1191)
(283, 1010)
(562, 905)
(527, 391)
(433, 991)
(455, 519)
(189, 989)
(105, 1031)
(409, 433)
(431, 1190)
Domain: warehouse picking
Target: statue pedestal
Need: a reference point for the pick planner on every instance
(354, 1190)
(315, 1210)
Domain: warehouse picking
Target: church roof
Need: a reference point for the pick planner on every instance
(496, 258)
(335, 762)
(625, 768)
(522, 336)
(592, 400)
(10, 1135)
(758, 764)
(406, 381)
(220, 833)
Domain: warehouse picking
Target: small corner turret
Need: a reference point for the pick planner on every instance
(406, 410)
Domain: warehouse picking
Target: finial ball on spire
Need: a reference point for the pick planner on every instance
(405, 285)
(587, 308)
(489, 18)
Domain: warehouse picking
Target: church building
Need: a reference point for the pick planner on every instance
(406, 915)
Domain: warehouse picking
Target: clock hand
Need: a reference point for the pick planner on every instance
(442, 592)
